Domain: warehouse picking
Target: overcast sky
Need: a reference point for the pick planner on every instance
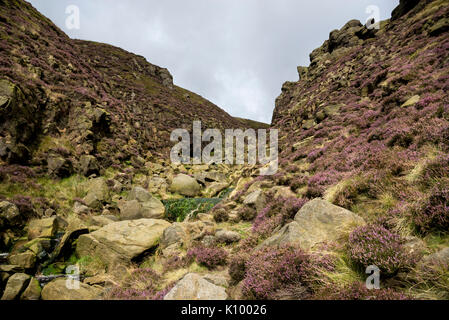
(236, 53)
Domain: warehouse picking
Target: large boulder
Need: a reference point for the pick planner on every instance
(195, 287)
(318, 221)
(120, 242)
(185, 185)
(16, 284)
(59, 290)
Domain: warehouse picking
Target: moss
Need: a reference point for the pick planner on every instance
(178, 210)
(54, 269)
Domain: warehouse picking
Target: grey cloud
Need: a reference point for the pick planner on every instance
(236, 53)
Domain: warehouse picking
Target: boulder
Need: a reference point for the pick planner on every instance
(42, 228)
(9, 213)
(133, 209)
(195, 287)
(226, 236)
(25, 260)
(79, 208)
(59, 167)
(88, 165)
(33, 290)
(141, 204)
(58, 290)
(121, 241)
(174, 234)
(185, 185)
(97, 193)
(317, 221)
(16, 284)
(256, 199)
(214, 188)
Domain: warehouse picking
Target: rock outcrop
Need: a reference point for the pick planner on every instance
(121, 241)
(195, 287)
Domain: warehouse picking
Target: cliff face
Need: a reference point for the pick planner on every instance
(67, 99)
(372, 103)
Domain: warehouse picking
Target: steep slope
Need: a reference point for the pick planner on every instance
(371, 109)
(70, 98)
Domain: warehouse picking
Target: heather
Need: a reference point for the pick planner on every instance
(375, 245)
(140, 284)
(209, 257)
(270, 269)
(88, 181)
(358, 291)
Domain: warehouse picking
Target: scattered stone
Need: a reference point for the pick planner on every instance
(195, 287)
(141, 204)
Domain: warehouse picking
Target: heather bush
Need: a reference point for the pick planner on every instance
(277, 212)
(208, 257)
(434, 170)
(432, 213)
(247, 213)
(237, 266)
(175, 262)
(271, 269)
(375, 245)
(141, 284)
(220, 215)
(357, 291)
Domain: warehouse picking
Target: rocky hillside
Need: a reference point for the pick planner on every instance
(363, 183)
(65, 101)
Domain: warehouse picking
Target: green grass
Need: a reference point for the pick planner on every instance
(178, 210)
